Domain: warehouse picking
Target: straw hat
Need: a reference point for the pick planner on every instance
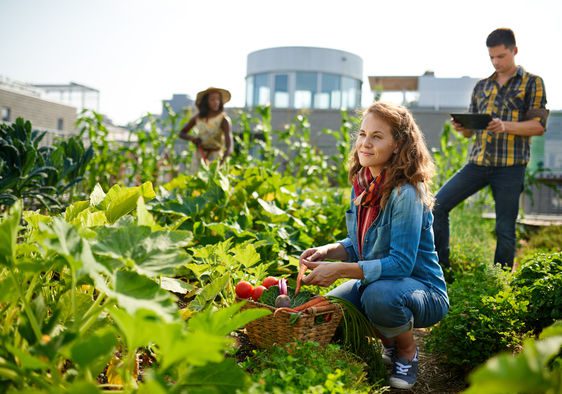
(225, 95)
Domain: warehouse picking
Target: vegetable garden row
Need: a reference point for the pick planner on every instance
(118, 270)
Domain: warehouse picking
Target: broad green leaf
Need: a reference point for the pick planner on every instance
(175, 285)
(526, 372)
(221, 378)
(120, 201)
(225, 320)
(83, 387)
(34, 218)
(99, 345)
(73, 210)
(151, 386)
(175, 344)
(209, 293)
(246, 255)
(89, 218)
(553, 330)
(222, 229)
(193, 347)
(97, 195)
(271, 208)
(144, 218)
(149, 253)
(9, 226)
(138, 328)
(135, 292)
(27, 360)
(83, 303)
(199, 269)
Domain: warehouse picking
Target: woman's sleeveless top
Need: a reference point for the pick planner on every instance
(210, 132)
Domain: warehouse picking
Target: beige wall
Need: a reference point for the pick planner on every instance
(41, 113)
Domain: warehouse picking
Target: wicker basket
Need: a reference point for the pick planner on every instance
(287, 327)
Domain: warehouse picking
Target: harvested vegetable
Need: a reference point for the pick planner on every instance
(282, 301)
(270, 281)
(302, 270)
(257, 293)
(244, 289)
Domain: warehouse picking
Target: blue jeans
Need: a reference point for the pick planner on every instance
(506, 184)
(395, 306)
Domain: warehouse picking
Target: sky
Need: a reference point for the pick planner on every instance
(140, 52)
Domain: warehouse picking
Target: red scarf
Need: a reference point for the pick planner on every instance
(368, 201)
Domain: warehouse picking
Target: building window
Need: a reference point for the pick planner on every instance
(249, 91)
(351, 90)
(330, 93)
(60, 124)
(5, 114)
(305, 89)
(281, 91)
(262, 91)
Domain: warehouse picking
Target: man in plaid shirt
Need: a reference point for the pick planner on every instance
(516, 100)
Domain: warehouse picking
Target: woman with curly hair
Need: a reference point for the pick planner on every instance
(389, 253)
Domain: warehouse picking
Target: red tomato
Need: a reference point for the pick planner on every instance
(244, 289)
(258, 291)
(270, 281)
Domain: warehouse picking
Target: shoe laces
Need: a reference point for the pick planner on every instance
(402, 369)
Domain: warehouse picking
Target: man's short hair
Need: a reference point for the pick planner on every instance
(502, 36)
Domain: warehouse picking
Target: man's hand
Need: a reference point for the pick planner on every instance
(497, 126)
(466, 132)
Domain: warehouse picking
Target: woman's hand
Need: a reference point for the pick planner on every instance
(315, 254)
(323, 273)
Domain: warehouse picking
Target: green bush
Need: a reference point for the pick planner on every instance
(539, 281)
(43, 176)
(485, 318)
(307, 368)
(537, 369)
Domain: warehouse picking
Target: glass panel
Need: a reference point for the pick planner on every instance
(331, 87)
(303, 99)
(281, 100)
(282, 83)
(281, 91)
(305, 88)
(250, 91)
(322, 100)
(261, 90)
(349, 93)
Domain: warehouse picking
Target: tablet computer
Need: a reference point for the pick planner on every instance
(473, 121)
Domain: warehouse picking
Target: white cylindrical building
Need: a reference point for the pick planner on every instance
(304, 77)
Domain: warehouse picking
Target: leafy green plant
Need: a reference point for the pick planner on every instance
(539, 280)
(451, 155)
(307, 368)
(485, 317)
(358, 335)
(39, 175)
(75, 293)
(537, 369)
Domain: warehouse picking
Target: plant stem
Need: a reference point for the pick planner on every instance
(27, 308)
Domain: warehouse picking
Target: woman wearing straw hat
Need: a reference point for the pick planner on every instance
(212, 137)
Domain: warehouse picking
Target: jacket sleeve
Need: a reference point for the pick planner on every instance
(347, 243)
(405, 232)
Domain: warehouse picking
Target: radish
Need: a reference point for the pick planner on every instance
(282, 301)
(282, 286)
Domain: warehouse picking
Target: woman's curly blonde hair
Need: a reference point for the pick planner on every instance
(412, 163)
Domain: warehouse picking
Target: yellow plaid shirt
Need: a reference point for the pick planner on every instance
(522, 98)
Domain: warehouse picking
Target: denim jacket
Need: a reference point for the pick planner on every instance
(399, 243)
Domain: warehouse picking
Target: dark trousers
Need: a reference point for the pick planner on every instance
(506, 184)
